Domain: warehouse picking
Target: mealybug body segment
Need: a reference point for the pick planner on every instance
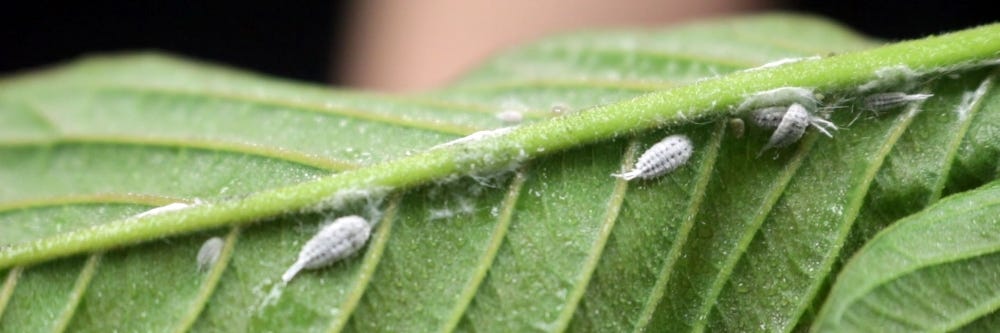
(337, 240)
(768, 117)
(793, 125)
(663, 157)
(209, 253)
(889, 100)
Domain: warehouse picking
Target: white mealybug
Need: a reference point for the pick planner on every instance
(476, 136)
(889, 100)
(337, 240)
(209, 253)
(771, 117)
(663, 157)
(781, 96)
(781, 62)
(511, 116)
(793, 125)
(163, 209)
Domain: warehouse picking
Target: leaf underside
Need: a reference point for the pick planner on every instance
(729, 242)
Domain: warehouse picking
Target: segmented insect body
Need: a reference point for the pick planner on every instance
(771, 117)
(768, 117)
(793, 125)
(337, 240)
(889, 100)
(209, 253)
(663, 157)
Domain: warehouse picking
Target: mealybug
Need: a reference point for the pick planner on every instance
(793, 125)
(476, 136)
(780, 96)
(663, 157)
(889, 100)
(771, 117)
(163, 209)
(337, 240)
(209, 253)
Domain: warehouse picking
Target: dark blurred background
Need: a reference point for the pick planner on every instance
(341, 42)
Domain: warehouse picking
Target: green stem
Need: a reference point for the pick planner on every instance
(709, 98)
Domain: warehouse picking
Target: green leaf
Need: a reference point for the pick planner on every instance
(522, 231)
(932, 271)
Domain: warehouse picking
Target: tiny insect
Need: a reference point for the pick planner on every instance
(163, 209)
(337, 240)
(885, 101)
(663, 157)
(737, 126)
(480, 135)
(560, 109)
(781, 96)
(793, 125)
(511, 117)
(209, 253)
(771, 117)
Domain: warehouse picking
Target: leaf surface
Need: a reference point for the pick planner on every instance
(524, 231)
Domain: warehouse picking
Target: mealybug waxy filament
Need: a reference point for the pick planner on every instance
(337, 240)
(663, 157)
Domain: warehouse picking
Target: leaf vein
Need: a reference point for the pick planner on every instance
(611, 212)
(853, 207)
(209, 283)
(774, 193)
(698, 197)
(486, 260)
(76, 295)
(956, 140)
(372, 259)
(8, 288)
